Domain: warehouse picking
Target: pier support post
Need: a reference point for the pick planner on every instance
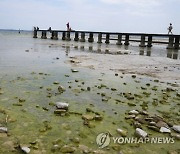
(82, 37)
(126, 39)
(171, 42)
(90, 39)
(55, 36)
(44, 35)
(149, 41)
(52, 34)
(143, 38)
(176, 45)
(35, 34)
(63, 35)
(119, 39)
(107, 39)
(68, 36)
(76, 38)
(99, 38)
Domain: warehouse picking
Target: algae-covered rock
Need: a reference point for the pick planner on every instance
(87, 117)
(123, 133)
(67, 149)
(61, 89)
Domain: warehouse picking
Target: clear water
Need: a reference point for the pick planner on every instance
(28, 68)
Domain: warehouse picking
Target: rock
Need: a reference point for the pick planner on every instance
(98, 118)
(123, 133)
(55, 82)
(113, 89)
(176, 136)
(134, 112)
(164, 130)
(88, 88)
(137, 124)
(130, 117)
(87, 117)
(60, 111)
(176, 128)
(61, 105)
(140, 133)
(133, 76)
(3, 130)
(74, 71)
(61, 89)
(55, 148)
(131, 104)
(67, 149)
(25, 149)
(84, 149)
(160, 124)
(153, 128)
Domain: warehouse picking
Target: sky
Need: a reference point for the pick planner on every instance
(141, 16)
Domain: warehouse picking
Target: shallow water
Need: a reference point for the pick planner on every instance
(28, 69)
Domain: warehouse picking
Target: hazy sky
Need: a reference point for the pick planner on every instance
(150, 16)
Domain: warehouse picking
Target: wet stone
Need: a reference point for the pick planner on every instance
(87, 117)
(74, 71)
(164, 130)
(123, 133)
(67, 149)
(140, 133)
(153, 128)
(61, 89)
(98, 118)
(55, 148)
(3, 130)
(160, 124)
(176, 128)
(133, 112)
(60, 111)
(25, 149)
(55, 82)
(61, 105)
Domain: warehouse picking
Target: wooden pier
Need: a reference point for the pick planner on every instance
(144, 39)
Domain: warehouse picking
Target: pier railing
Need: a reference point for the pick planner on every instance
(144, 38)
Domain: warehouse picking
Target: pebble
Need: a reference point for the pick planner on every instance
(3, 130)
(25, 149)
(134, 112)
(141, 133)
(67, 149)
(164, 130)
(87, 117)
(176, 128)
(61, 105)
(123, 133)
(74, 71)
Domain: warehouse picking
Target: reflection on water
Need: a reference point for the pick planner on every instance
(172, 53)
(143, 50)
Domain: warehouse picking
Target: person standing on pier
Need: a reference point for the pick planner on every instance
(170, 29)
(68, 27)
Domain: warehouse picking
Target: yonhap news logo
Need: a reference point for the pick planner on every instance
(104, 139)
